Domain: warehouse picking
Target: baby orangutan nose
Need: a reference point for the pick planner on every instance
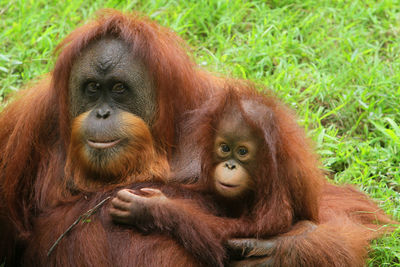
(230, 165)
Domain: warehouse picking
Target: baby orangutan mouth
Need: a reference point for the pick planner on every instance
(228, 185)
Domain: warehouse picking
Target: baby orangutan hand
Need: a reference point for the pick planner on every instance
(136, 207)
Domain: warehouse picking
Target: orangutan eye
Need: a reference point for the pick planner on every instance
(118, 88)
(242, 151)
(225, 148)
(92, 88)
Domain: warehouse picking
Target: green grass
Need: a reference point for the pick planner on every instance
(336, 63)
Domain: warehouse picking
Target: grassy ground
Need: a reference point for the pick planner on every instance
(335, 62)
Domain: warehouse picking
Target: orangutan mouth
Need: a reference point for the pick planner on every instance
(228, 185)
(102, 144)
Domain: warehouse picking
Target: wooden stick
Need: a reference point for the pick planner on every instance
(83, 217)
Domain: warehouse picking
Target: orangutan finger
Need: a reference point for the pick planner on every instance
(119, 215)
(152, 191)
(117, 203)
(248, 247)
(128, 195)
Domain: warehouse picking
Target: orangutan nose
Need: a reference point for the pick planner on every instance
(103, 112)
(230, 165)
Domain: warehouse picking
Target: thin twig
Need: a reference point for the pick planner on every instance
(83, 217)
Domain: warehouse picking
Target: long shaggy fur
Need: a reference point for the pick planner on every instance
(290, 192)
(36, 205)
(35, 129)
(98, 241)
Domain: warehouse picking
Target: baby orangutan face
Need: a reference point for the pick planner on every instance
(235, 151)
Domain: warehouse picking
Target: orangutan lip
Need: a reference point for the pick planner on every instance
(103, 144)
(228, 185)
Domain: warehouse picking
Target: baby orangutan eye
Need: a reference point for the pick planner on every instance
(243, 151)
(225, 148)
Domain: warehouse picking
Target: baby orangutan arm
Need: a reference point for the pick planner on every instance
(128, 207)
(201, 233)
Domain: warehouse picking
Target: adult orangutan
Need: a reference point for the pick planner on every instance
(258, 181)
(70, 132)
(64, 146)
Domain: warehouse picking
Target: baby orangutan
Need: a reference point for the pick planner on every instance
(246, 187)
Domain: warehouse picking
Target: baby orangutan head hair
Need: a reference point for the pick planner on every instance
(253, 150)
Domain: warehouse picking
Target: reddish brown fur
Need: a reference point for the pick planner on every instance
(36, 128)
(98, 242)
(349, 220)
(288, 190)
(35, 136)
(287, 185)
(287, 182)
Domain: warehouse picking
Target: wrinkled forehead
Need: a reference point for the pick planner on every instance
(107, 50)
(105, 55)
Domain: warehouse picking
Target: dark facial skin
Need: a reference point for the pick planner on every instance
(107, 81)
(108, 77)
(235, 151)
